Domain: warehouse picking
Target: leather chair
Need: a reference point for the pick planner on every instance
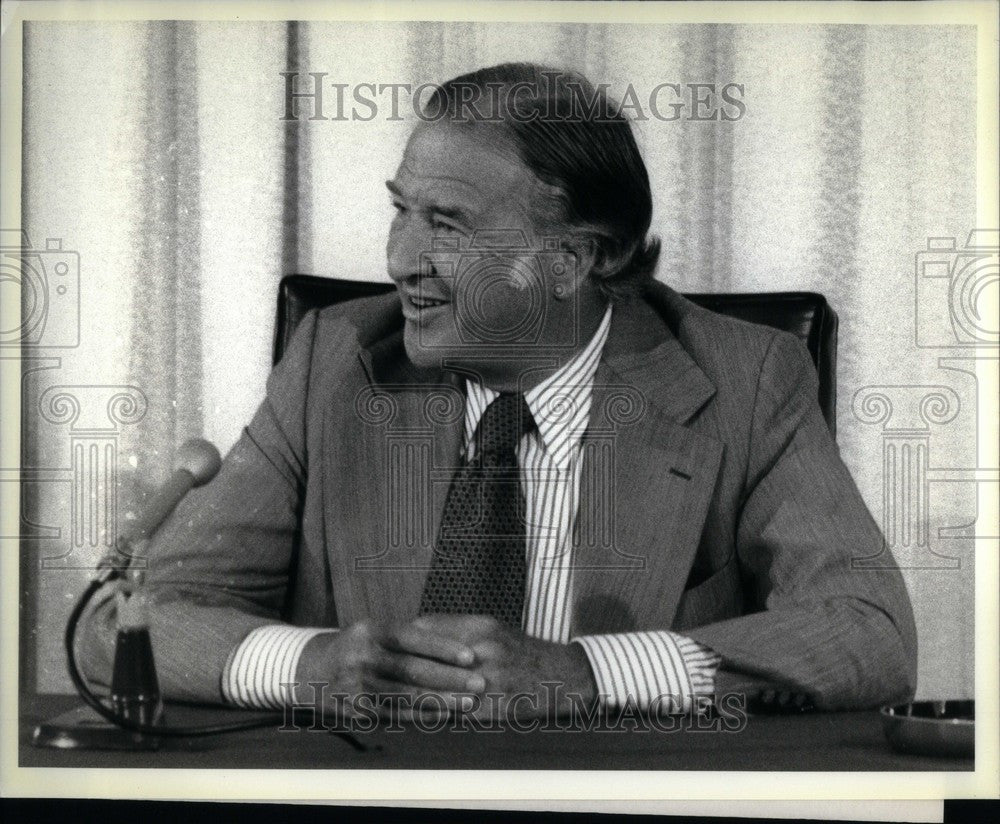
(806, 315)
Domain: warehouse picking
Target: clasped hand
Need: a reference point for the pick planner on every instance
(448, 663)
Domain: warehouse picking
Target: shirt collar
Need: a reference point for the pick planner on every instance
(560, 404)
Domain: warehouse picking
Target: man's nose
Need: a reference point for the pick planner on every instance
(408, 251)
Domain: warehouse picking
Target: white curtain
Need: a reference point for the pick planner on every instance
(157, 152)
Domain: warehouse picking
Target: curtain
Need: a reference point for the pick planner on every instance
(157, 152)
(154, 152)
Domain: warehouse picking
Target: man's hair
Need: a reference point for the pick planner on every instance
(573, 137)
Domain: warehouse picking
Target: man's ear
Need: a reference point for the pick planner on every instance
(586, 251)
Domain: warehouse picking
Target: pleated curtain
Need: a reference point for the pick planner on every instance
(158, 153)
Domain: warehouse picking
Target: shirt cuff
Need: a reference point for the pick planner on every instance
(658, 670)
(260, 673)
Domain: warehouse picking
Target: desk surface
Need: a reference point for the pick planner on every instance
(807, 741)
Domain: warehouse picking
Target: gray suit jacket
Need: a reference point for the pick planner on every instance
(713, 502)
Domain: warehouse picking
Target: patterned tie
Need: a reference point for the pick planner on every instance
(479, 564)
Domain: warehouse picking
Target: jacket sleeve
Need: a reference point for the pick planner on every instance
(218, 567)
(839, 632)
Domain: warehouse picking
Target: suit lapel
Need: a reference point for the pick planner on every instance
(407, 448)
(647, 479)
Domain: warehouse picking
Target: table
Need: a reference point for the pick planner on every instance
(802, 741)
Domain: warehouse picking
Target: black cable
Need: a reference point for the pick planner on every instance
(154, 730)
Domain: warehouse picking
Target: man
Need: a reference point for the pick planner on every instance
(531, 465)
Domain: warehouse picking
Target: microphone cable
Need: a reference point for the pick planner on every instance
(154, 730)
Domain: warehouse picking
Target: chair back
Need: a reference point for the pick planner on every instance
(807, 315)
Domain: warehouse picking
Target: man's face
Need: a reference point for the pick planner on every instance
(456, 252)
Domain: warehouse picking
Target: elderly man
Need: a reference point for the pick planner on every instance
(531, 465)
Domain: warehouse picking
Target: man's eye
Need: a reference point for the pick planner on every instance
(442, 226)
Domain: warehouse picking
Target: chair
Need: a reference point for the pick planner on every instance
(806, 315)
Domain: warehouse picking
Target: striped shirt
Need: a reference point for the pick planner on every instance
(657, 669)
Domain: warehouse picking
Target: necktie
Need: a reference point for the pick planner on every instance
(479, 564)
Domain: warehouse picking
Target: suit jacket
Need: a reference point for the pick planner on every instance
(713, 502)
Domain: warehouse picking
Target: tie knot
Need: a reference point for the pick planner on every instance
(504, 422)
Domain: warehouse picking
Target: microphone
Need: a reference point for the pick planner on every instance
(198, 461)
(136, 708)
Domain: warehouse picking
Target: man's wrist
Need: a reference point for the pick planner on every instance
(313, 665)
(581, 682)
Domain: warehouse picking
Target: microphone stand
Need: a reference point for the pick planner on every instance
(79, 733)
(136, 707)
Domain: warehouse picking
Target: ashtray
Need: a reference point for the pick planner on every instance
(942, 728)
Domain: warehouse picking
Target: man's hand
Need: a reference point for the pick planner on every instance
(514, 667)
(467, 663)
(404, 662)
